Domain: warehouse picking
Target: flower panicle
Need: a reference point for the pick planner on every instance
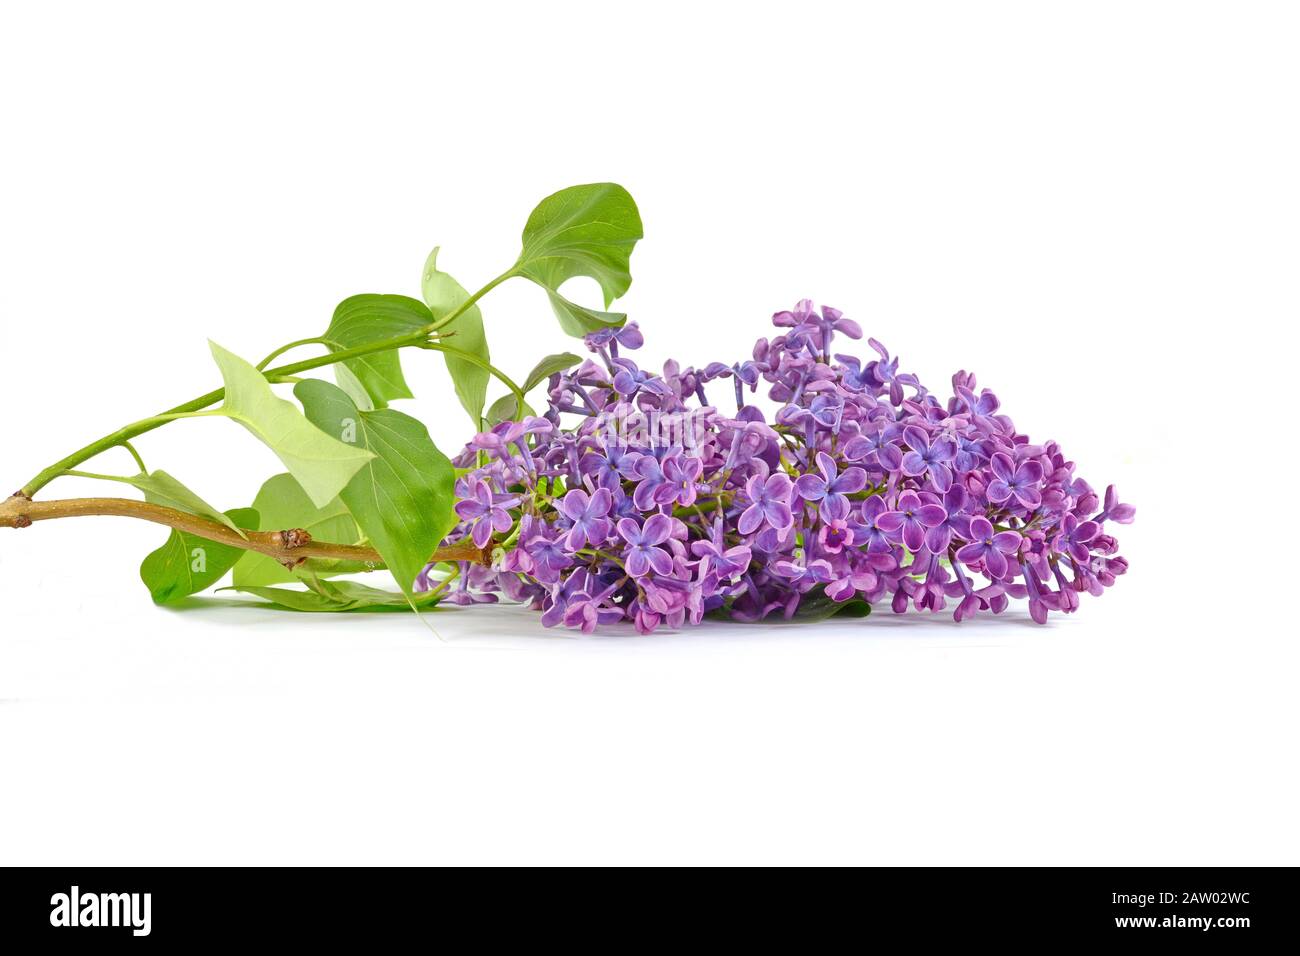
(862, 486)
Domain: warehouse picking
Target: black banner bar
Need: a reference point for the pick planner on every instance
(1225, 908)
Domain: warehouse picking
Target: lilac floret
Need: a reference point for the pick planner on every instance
(769, 504)
(643, 552)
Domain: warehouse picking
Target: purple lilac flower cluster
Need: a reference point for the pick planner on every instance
(863, 487)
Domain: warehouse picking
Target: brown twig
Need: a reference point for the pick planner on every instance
(290, 546)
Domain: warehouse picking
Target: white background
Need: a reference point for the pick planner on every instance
(1094, 206)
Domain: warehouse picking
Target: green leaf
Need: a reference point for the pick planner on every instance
(283, 504)
(551, 365)
(820, 607)
(322, 464)
(442, 294)
(340, 596)
(294, 599)
(816, 606)
(187, 564)
(582, 231)
(578, 320)
(403, 497)
(363, 319)
(161, 488)
(349, 382)
(506, 408)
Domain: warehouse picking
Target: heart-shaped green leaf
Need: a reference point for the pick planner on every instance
(442, 294)
(819, 607)
(506, 408)
(363, 319)
(582, 231)
(551, 365)
(338, 596)
(187, 564)
(282, 505)
(349, 382)
(403, 497)
(578, 320)
(161, 488)
(321, 463)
